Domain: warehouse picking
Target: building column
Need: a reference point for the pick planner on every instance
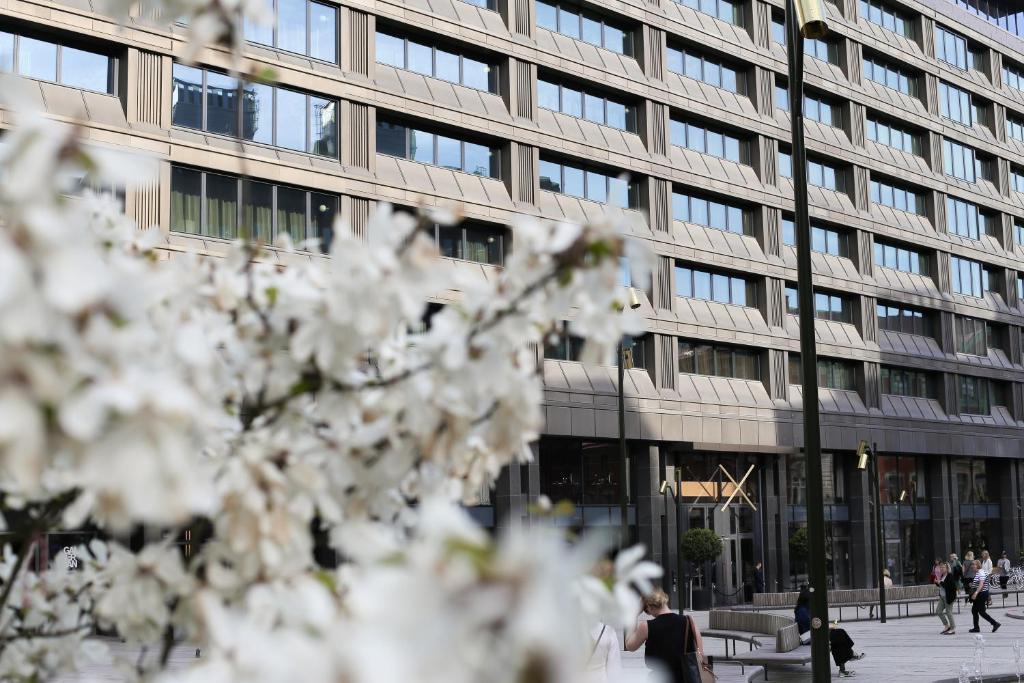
(862, 530)
(776, 533)
(1009, 515)
(650, 506)
(509, 500)
(943, 508)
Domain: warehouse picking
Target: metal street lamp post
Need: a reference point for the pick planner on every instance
(806, 18)
(867, 458)
(634, 303)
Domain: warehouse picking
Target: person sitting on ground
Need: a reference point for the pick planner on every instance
(839, 640)
(667, 636)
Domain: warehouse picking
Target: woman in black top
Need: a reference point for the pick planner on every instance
(668, 636)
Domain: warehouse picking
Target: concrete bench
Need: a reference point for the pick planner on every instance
(858, 598)
(785, 650)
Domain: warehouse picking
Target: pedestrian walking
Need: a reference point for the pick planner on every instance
(948, 587)
(986, 562)
(674, 646)
(955, 568)
(759, 577)
(1004, 570)
(968, 572)
(886, 578)
(839, 640)
(605, 662)
(936, 570)
(980, 597)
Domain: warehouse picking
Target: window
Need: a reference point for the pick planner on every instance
(904, 319)
(400, 140)
(581, 104)
(1020, 288)
(785, 163)
(710, 213)
(447, 65)
(563, 346)
(951, 48)
(779, 28)
(834, 307)
(821, 110)
(907, 382)
(964, 218)
(960, 161)
(218, 103)
(1014, 127)
(967, 277)
(972, 336)
(471, 241)
(586, 183)
(781, 94)
(485, 4)
(710, 70)
(886, 17)
(1018, 231)
(1013, 76)
(719, 360)
(896, 197)
(888, 255)
(885, 133)
(891, 76)
(955, 104)
(979, 394)
(823, 240)
(692, 283)
(725, 10)
(832, 373)
(706, 140)
(825, 50)
(308, 28)
(1016, 179)
(574, 22)
(825, 175)
(47, 60)
(216, 205)
(586, 473)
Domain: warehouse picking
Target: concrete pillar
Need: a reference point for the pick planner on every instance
(509, 500)
(650, 506)
(1010, 521)
(776, 533)
(942, 507)
(862, 530)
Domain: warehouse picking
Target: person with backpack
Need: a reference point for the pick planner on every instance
(980, 598)
(674, 646)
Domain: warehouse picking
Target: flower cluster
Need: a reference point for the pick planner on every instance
(258, 408)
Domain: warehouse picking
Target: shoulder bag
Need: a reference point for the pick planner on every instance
(694, 669)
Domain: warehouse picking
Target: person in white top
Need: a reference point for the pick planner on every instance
(986, 562)
(605, 662)
(1004, 570)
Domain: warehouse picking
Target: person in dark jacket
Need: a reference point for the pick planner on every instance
(948, 584)
(838, 639)
(759, 578)
(667, 636)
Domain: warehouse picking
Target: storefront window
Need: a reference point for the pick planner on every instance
(901, 479)
(582, 472)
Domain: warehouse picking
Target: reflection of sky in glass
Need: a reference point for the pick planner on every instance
(6, 51)
(291, 119)
(37, 59)
(291, 25)
(323, 38)
(258, 113)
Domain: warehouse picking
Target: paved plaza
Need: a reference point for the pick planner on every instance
(902, 650)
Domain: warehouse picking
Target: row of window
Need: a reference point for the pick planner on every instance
(823, 240)
(706, 140)
(900, 258)
(575, 22)
(447, 65)
(576, 102)
(891, 76)
(594, 185)
(892, 135)
(302, 26)
(403, 141)
(709, 213)
(49, 60)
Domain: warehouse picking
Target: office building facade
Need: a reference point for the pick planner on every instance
(677, 110)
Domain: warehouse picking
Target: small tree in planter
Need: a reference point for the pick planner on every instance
(700, 546)
(798, 550)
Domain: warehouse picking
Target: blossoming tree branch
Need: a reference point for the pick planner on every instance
(255, 407)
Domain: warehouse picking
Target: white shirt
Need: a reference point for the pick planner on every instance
(605, 664)
(986, 566)
(979, 580)
(1004, 564)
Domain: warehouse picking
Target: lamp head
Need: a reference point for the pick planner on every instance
(634, 299)
(664, 486)
(903, 495)
(810, 15)
(863, 450)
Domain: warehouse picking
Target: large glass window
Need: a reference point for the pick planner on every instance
(1013, 75)
(401, 140)
(979, 394)
(825, 50)
(896, 197)
(955, 104)
(951, 48)
(1014, 127)
(301, 26)
(885, 133)
(710, 213)
(448, 65)
(885, 16)
(821, 110)
(47, 60)
(585, 183)
(890, 75)
(972, 335)
(472, 241)
(901, 479)
(964, 218)
(898, 318)
(707, 140)
(781, 94)
(709, 285)
(834, 307)
(833, 373)
(823, 240)
(825, 175)
(719, 360)
(897, 257)
(581, 472)
(907, 382)
(726, 10)
(575, 22)
(967, 277)
(711, 70)
(960, 161)
(218, 103)
(576, 101)
(216, 205)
